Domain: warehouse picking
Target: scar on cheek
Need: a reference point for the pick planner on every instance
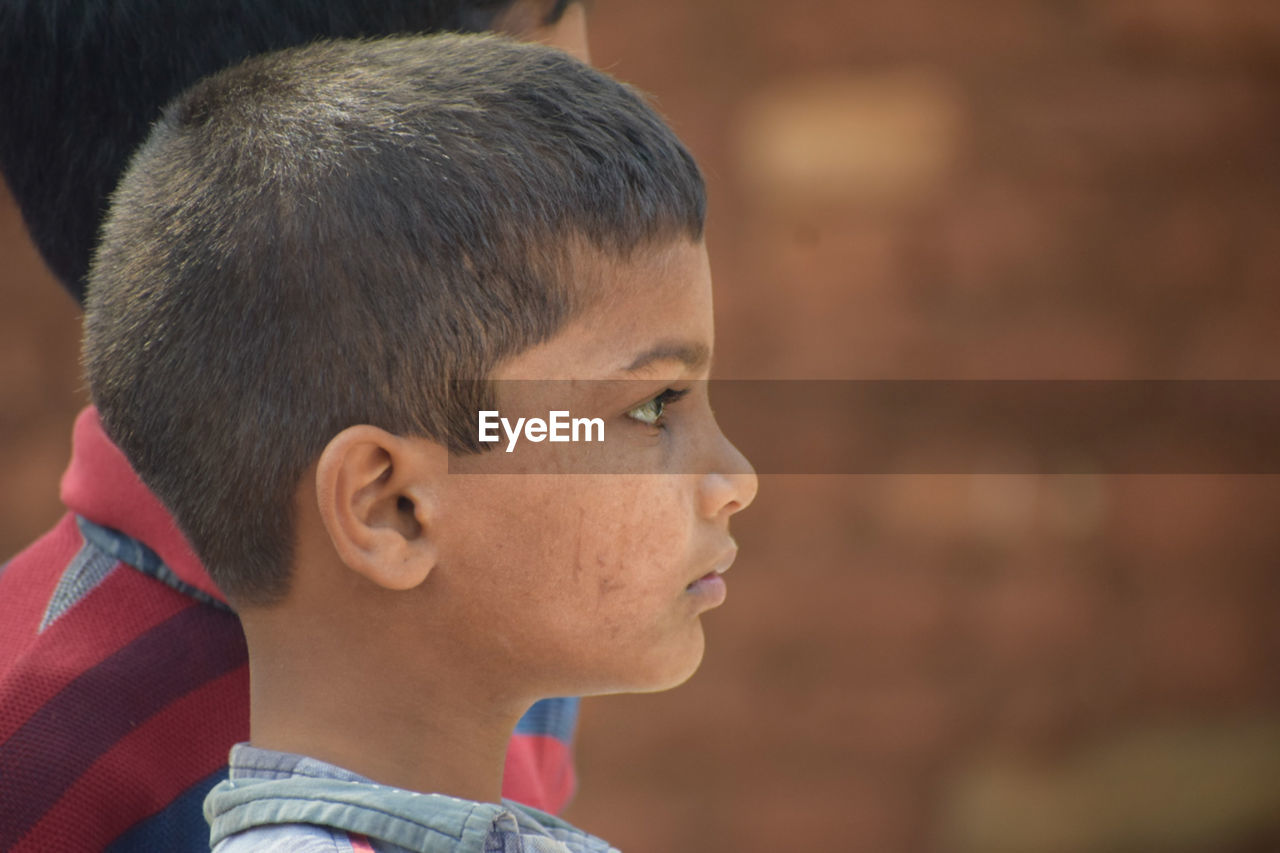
(607, 585)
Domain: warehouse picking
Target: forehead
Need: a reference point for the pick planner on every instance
(657, 302)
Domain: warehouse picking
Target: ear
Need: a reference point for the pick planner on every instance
(526, 20)
(377, 496)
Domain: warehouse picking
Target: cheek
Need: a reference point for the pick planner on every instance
(605, 557)
(585, 550)
(591, 573)
(571, 527)
(634, 531)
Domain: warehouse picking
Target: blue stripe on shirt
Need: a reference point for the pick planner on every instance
(180, 827)
(555, 717)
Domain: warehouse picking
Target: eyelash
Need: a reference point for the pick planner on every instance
(661, 401)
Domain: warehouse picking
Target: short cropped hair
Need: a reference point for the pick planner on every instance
(354, 232)
(85, 79)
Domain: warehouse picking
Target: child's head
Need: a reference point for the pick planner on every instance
(317, 261)
(85, 79)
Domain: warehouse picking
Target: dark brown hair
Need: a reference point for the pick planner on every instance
(346, 233)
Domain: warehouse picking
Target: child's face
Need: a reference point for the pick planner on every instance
(588, 583)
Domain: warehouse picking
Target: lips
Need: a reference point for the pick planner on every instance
(707, 577)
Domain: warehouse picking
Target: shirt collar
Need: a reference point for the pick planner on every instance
(100, 485)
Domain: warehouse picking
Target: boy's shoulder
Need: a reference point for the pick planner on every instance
(295, 838)
(276, 801)
(308, 838)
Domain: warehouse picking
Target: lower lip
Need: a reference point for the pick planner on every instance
(710, 588)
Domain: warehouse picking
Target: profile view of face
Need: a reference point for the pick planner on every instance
(601, 577)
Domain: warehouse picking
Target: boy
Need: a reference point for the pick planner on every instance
(317, 272)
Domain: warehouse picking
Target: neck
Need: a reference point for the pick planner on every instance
(319, 693)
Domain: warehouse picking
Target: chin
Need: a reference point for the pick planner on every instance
(673, 667)
(658, 667)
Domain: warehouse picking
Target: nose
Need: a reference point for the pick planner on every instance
(730, 486)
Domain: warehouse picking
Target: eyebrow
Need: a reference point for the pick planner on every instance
(692, 355)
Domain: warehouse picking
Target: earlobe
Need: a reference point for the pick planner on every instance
(376, 497)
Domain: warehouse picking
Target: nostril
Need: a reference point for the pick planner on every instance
(726, 494)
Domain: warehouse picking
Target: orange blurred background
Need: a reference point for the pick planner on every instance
(1084, 189)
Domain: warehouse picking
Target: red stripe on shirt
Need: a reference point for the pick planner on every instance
(27, 584)
(114, 614)
(147, 769)
(550, 787)
(102, 706)
(360, 844)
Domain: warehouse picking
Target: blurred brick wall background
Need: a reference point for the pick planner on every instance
(924, 189)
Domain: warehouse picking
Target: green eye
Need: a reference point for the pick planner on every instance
(648, 413)
(651, 411)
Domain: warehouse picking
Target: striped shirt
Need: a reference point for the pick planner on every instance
(124, 679)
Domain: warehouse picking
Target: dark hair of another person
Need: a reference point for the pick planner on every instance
(349, 233)
(84, 79)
